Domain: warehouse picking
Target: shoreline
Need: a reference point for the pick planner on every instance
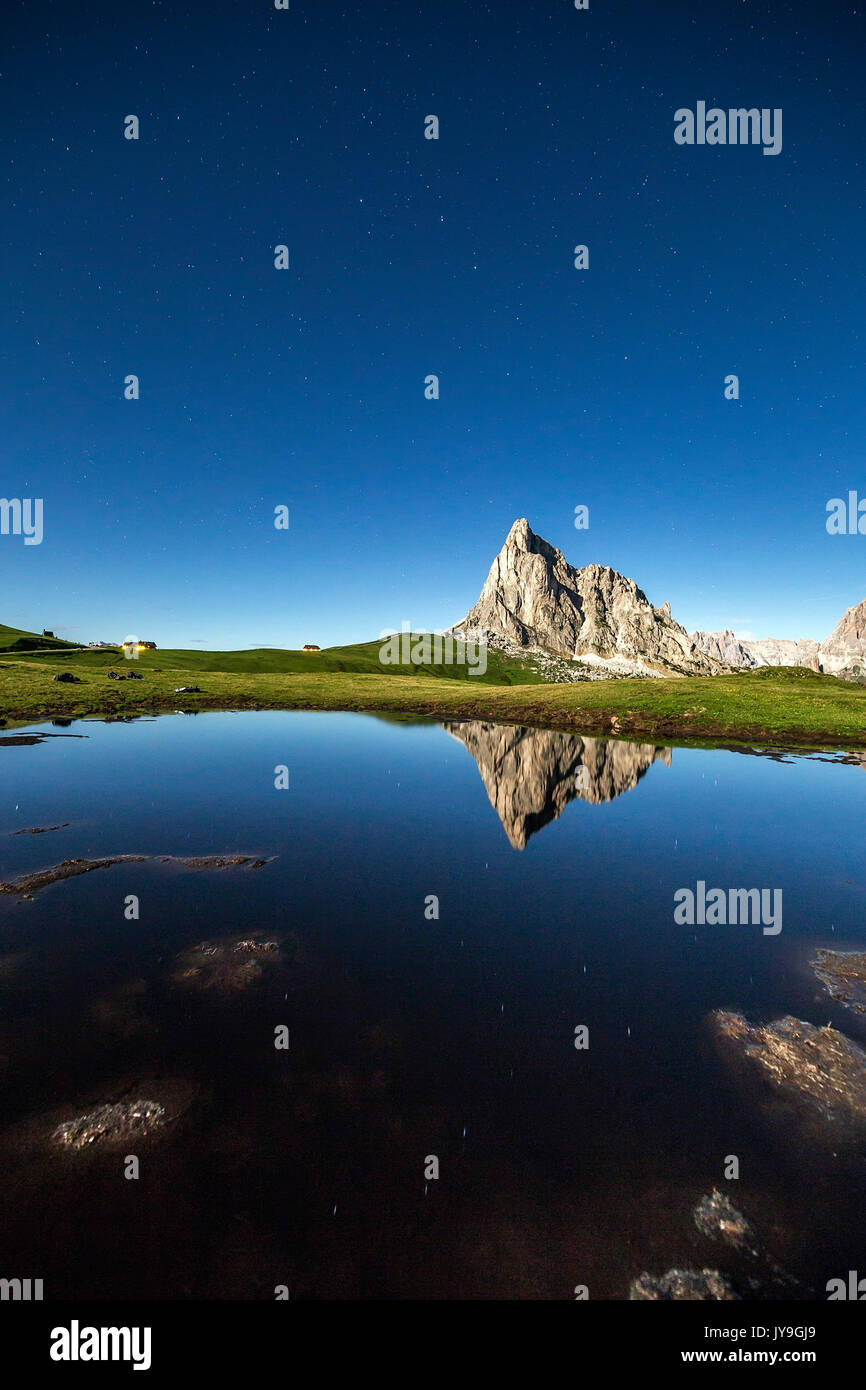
(599, 709)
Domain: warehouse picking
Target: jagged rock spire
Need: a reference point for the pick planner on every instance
(534, 598)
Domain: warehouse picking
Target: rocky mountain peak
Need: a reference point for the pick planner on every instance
(852, 624)
(521, 535)
(533, 598)
(522, 540)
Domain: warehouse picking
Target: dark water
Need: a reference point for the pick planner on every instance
(410, 1037)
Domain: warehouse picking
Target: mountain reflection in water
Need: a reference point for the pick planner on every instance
(532, 774)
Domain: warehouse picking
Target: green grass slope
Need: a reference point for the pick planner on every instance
(15, 639)
(774, 706)
(362, 658)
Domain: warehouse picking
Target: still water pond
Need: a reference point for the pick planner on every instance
(440, 908)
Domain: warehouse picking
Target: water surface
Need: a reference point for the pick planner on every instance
(554, 860)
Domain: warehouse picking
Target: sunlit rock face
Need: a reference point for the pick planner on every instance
(845, 649)
(533, 598)
(532, 774)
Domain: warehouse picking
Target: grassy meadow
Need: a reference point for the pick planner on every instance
(780, 706)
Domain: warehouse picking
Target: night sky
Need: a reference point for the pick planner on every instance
(408, 257)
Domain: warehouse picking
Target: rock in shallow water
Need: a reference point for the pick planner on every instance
(110, 1123)
(71, 868)
(707, 1285)
(225, 966)
(39, 829)
(843, 975)
(717, 1217)
(214, 861)
(818, 1069)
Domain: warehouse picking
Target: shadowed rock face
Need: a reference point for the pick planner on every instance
(532, 774)
(534, 598)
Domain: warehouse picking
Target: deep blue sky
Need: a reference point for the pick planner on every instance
(409, 257)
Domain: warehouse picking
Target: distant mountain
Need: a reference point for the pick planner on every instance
(843, 653)
(532, 598)
(745, 653)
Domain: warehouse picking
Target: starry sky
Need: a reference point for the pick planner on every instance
(305, 387)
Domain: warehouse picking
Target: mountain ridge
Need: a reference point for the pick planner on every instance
(843, 653)
(534, 600)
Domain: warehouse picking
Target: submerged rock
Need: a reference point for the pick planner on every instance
(843, 975)
(214, 861)
(111, 1123)
(819, 1070)
(70, 868)
(128, 1109)
(39, 829)
(708, 1285)
(226, 966)
(717, 1217)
